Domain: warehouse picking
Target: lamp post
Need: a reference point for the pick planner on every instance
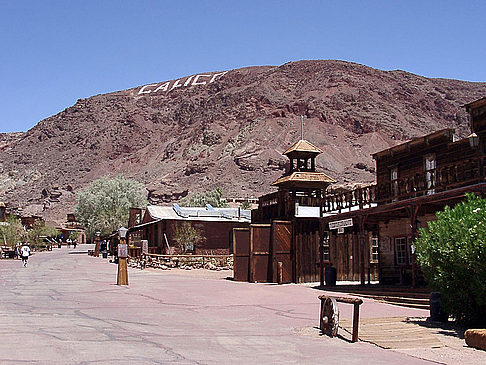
(122, 277)
(97, 244)
(473, 140)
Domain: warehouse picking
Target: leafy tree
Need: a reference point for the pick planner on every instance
(213, 197)
(104, 205)
(187, 237)
(452, 254)
(38, 231)
(12, 231)
(245, 205)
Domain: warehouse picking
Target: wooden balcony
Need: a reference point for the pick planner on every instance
(446, 177)
(363, 197)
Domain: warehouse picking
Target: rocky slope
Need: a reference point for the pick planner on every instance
(226, 129)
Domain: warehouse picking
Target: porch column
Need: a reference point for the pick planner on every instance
(412, 211)
(362, 247)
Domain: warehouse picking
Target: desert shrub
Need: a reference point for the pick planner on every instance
(38, 231)
(12, 232)
(104, 205)
(187, 237)
(213, 197)
(452, 254)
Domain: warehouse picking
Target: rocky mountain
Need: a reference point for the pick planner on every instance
(226, 129)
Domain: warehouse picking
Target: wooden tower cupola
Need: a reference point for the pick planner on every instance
(302, 156)
(302, 176)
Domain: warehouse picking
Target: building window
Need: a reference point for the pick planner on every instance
(401, 250)
(394, 183)
(374, 255)
(325, 246)
(430, 166)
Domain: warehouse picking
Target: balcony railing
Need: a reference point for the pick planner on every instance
(363, 197)
(445, 177)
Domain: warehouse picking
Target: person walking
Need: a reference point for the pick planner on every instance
(24, 254)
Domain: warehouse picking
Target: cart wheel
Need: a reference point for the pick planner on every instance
(329, 317)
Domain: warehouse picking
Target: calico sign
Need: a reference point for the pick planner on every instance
(194, 80)
(341, 224)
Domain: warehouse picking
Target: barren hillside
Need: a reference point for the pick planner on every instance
(226, 129)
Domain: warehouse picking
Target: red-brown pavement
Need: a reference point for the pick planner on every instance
(65, 308)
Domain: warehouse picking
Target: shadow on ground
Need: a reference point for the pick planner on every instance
(443, 328)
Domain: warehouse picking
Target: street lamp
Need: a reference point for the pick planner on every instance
(97, 244)
(122, 277)
(473, 140)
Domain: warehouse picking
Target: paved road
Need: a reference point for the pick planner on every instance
(64, 308)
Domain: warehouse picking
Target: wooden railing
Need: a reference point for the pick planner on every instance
(359, 198)
(445, 177)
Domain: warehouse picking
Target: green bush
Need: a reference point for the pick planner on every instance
(104, 205)
(12, 232)
(187, 237)
(452, 255)
(213, 197)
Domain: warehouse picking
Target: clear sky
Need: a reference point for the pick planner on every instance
(55, 52)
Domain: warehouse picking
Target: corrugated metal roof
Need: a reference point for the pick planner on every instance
(196, 213)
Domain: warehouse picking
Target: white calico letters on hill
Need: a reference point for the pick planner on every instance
(201, 79)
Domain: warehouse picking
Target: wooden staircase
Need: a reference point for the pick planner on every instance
(397, 295)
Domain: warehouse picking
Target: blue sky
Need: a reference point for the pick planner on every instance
(55, 52)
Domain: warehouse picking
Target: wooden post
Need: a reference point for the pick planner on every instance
(412, 212)
(355, 321)
(321, 262)
(356, 303)
(122, 276)
(280, 272)
(97, 245)
(362, 238)
(250, 256)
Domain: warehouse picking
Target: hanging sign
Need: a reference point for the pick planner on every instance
(341, 224)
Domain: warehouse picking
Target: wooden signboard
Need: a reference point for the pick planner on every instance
(122, 250)
(144, 246)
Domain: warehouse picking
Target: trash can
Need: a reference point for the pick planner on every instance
(436, 312)
(105, 254)
(59, 245)
(330, 275)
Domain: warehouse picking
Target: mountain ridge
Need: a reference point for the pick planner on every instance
(227, 130)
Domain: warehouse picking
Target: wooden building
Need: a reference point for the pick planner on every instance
(367, 233)
(158, 225)
(414, 180)
(285, 229)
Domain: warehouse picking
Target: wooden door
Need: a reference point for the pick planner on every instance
(281, 250)
(241, 254)
(260, 258)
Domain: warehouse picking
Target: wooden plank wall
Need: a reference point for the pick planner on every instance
(344, 255)
(305, 252)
